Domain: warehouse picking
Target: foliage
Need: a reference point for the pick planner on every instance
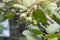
(40, 16)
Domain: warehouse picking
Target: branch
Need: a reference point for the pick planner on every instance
(50, 19)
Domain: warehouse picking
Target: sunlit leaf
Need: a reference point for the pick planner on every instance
(6, 0)
(52, 36)
(20, 6)
(57, 15)
(28, 3)
(52, 28)
(52, 6)
(28, 35)
(32, 27)
(2, 5)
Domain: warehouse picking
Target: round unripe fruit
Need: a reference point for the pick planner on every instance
(34, 22)
(29, 19)
(23, 16)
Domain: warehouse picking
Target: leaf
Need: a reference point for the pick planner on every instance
(20, 6)
(52, 28)
(28, 3)
(52, 6)
(36, 31)
(10, 4)
(39, 15)
(52, 36)
(8, 15)
(57, 15)
(2, 5)
(6, 0)
(28, 35)
(1, 26)
(30, 38)
(31, 26)
(55, 39)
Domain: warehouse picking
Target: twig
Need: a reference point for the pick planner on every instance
(42, 26)
(48, 22)
(50, 19)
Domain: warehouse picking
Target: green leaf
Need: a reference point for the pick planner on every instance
(39, 15)
(30, 38)
(20, 6)
(52, 36)
(6, 0)
(2, 5)
(57, 15)
(8, 15)
(54, 27)
(36, 31)
(31, 26)
(28, 3)
(1, 26)
(52, 6)
(10, 4)
(29, 35)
